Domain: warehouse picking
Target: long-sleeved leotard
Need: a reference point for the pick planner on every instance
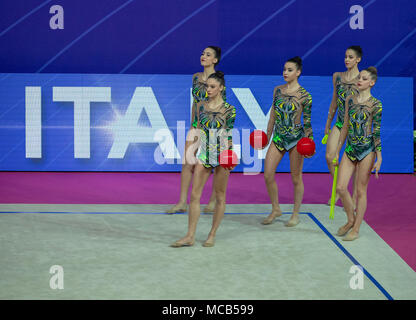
(199, 93)
(288, 109)
(363, 127)
(215, 131)
(343, 89)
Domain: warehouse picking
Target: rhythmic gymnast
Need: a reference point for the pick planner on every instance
(345, 84)
(361, 128)
(290, 101)
(214, 120)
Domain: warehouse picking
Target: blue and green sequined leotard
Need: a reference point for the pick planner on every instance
(199, 93)
(288, 109)
(364, 120)
(344, 89)
(215, 131)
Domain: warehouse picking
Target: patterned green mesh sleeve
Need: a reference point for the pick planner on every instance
(230, 120)
(376, 126)
(307, 112)
(276, 114)
(194, 118)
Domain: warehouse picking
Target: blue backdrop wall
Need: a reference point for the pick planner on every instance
(166, 37)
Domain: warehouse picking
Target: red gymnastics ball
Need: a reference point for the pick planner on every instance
(228, 159)
(258, 139)
(306, 147)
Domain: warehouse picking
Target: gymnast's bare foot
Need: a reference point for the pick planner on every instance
(210, 242)
(344, 229)
(179, 207)
(186, 241)
(351, 236)
(210, 208)
(275, 213)
(294, 220)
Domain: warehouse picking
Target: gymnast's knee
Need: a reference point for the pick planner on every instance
(269, 177)
(195, 197)
(220, 196)
(342, 190)
(361, 192)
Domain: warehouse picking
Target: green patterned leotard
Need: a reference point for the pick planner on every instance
(364, 120)
(215, 131)
(288, 109)
(199, 93)
(344, 89)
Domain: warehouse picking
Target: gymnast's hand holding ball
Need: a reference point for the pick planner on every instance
(306, 147)
(228, 159)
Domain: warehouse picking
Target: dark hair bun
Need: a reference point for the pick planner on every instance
(296, 60)
(219, 74)
(357, 50)
(372, 70)
(216, 49)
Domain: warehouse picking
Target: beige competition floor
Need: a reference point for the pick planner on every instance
(122, 252)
